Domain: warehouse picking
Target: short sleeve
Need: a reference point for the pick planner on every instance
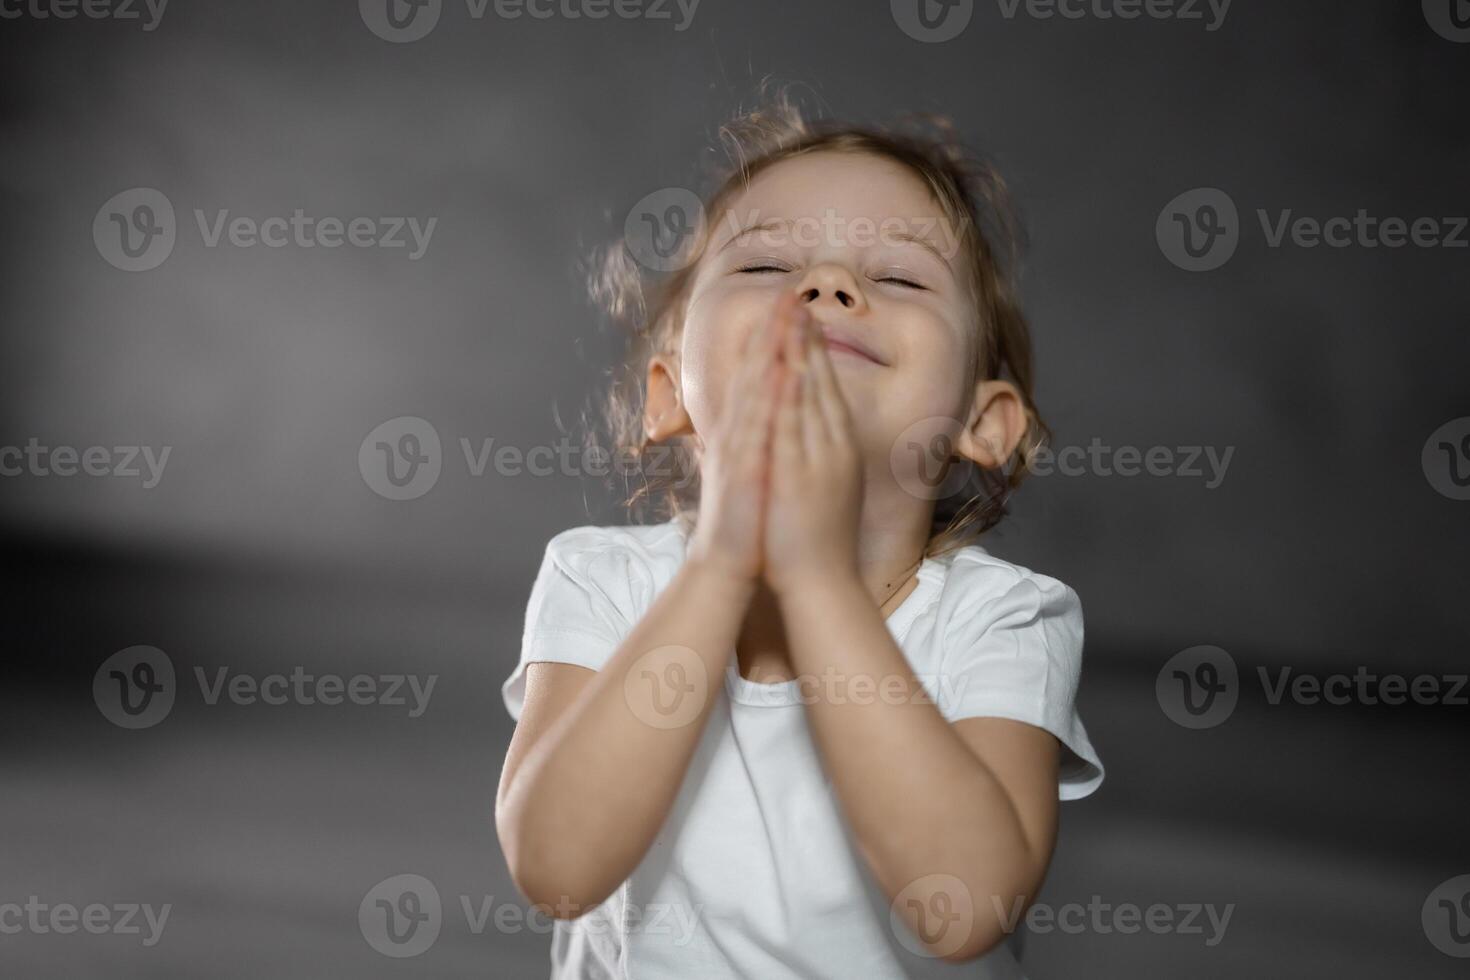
(1019, 656)
(576, 613)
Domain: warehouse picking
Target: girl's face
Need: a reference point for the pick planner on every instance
(879, 268)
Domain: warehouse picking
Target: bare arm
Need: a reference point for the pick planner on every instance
(598, 757)
(958, 817)
(595, 762)
(956, 822)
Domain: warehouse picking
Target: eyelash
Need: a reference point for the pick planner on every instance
(902, 282)
(766, 267)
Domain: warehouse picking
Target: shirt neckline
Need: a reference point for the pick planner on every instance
(788, 692)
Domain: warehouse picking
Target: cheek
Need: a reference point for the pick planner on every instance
(937, 378)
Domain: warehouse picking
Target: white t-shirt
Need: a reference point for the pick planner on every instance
(755, 873)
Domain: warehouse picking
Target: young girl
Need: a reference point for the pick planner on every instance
(806, 727)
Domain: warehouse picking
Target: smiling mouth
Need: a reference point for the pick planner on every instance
(841, 347)
(839, 340)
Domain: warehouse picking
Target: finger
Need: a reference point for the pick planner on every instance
(750, 438)
(795, 326)
(833, 403)
(787, 308)
(813, 421)
(786, 439)
(756, 435)
(750, 388)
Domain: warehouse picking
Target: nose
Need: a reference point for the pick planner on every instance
(832, 283)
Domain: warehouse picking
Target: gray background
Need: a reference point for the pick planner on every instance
(1325, 548)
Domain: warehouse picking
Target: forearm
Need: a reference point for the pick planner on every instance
(585, 805)
(917, 798)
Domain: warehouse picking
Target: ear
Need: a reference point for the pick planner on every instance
(996, 425)
(663, 407)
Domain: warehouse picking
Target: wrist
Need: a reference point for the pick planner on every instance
(799, 584)
(720, 578)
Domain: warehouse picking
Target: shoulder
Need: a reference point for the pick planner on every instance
(578, 544)
(981, 590)
(599, 580)
(591, 552)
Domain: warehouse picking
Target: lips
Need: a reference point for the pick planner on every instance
(847, 341)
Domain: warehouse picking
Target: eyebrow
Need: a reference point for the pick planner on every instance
(767, 225)
(922, 242)
(771, 224)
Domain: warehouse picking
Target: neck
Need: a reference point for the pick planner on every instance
(893, 532)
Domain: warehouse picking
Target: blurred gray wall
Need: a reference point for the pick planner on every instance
(264, 369)
(1329, 543)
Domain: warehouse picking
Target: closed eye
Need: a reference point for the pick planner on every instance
(901, 281)
(762, 266)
